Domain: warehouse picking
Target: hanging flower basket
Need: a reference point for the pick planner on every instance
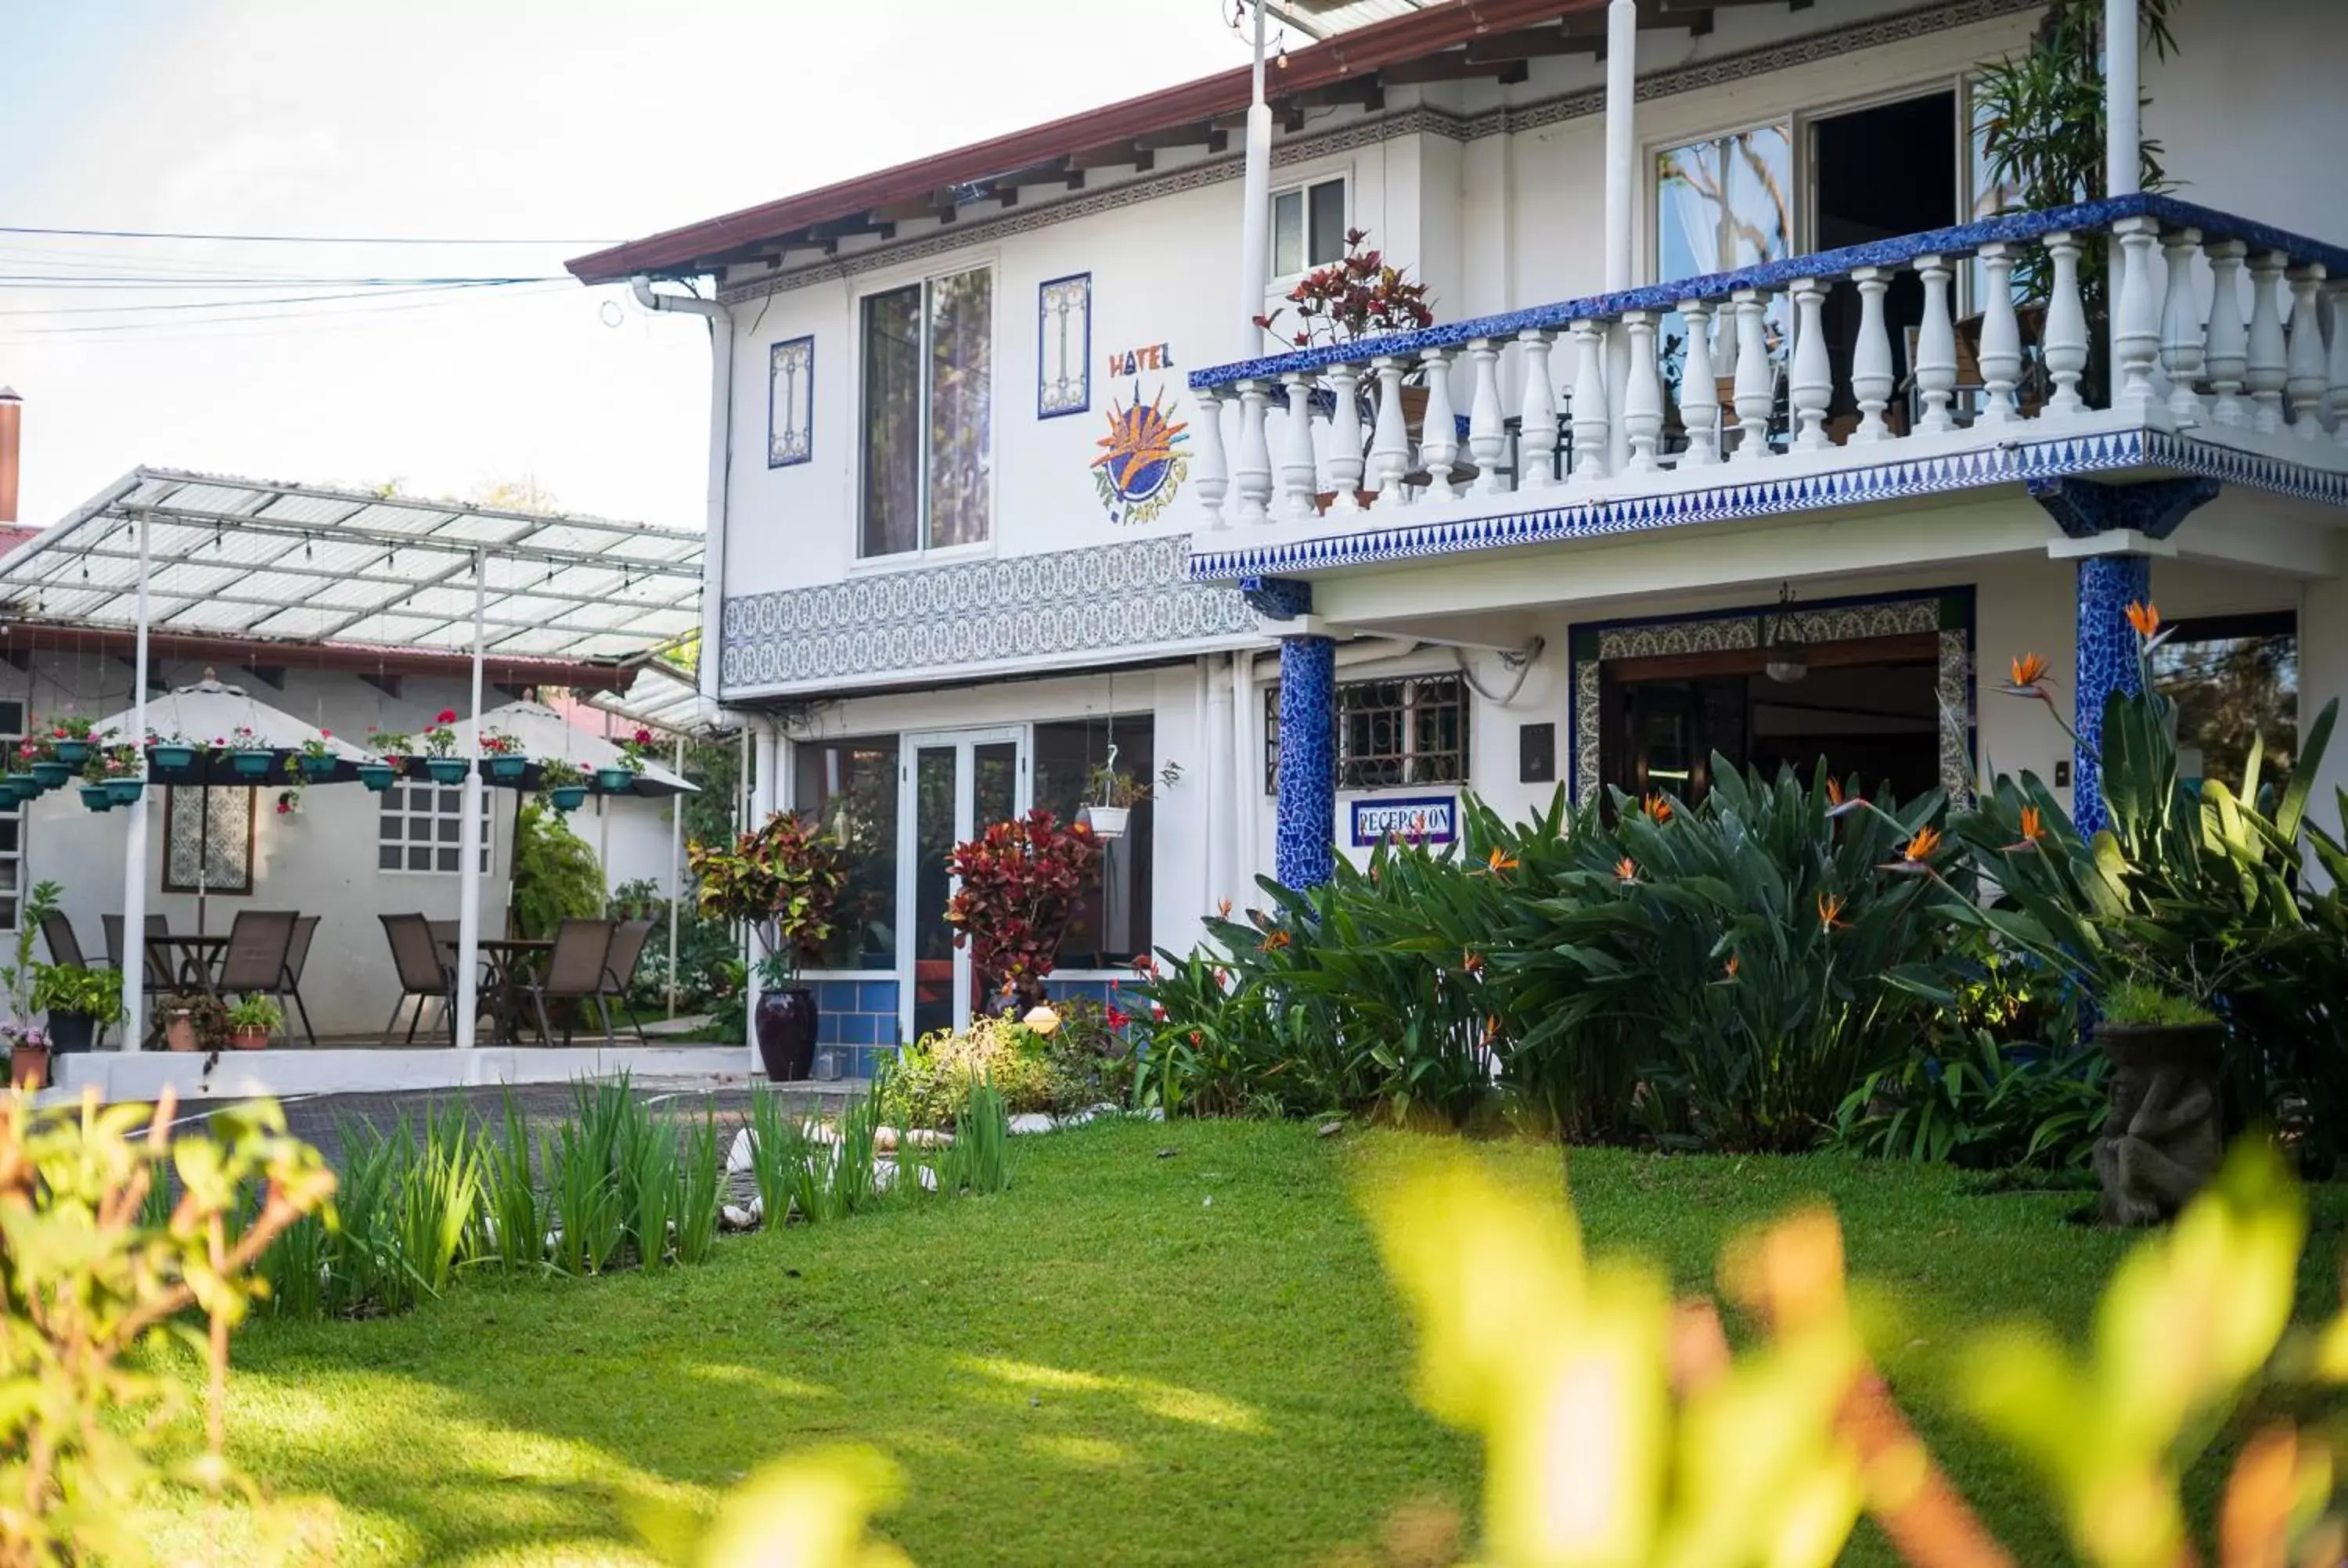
(97, 797)
(1106, 821)
(171, 758)
(378, 776)
(253, 763)
(15, 790)
(446, 770)
(317, 765)
(508, 770)
(51, 773)
(615, 780)
(72, 753)
(567, 798)
(125, 792)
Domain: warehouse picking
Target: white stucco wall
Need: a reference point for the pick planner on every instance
(319, 861)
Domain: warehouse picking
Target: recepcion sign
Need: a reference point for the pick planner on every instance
(1422, 819)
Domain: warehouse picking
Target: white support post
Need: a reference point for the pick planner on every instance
(1870, 375)
(468, 835)
(1255, 241)
(1622, 137)
(2123, 134)
(133, 957)
(675, 871)
(1699, 388)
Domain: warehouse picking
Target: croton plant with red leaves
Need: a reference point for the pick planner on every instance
(1017, 886)
(1360, 296)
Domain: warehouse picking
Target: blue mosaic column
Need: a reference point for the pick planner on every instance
(1303, 851)
(2108, 663)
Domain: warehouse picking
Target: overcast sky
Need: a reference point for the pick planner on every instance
(572, 120)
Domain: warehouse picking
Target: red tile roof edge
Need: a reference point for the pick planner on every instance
(1348, 54)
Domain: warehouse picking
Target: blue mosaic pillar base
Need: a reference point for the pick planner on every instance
(1304, 852)
(2108, 663)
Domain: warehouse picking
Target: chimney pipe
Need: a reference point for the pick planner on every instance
(12, 418)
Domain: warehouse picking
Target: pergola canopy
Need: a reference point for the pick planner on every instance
(303, 564)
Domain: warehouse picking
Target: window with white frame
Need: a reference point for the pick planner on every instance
(421, 827)
(1308, 227)
(12, 825)
(927, 379)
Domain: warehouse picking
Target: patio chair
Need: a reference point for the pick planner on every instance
(425, 973)
(154, 968)
(255, 962)
(573, 972)
(620, 963)
(297, 959)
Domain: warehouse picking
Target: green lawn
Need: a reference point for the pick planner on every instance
(1127, 1359)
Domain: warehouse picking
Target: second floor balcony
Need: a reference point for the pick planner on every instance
(2137, 337)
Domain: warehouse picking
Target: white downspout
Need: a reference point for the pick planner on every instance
(721, 458)
(1247, 786)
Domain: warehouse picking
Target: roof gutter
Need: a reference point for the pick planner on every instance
(721, 458)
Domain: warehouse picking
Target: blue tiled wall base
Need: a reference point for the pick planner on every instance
(1090, 990)
(860, 1018)
(2108, 663)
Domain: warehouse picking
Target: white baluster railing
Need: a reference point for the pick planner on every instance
(2262, 354)
(1214, 476)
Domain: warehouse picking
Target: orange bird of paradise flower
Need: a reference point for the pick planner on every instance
(1275, 940)
(1472, 961)
(2028, 671)
(1730, 973)
(1627, 870)
(1830, 914)
(1920, 848)
(1499, 860)
(2145, 618)
(1137, 436)
(2034, 823)
(1657, 808)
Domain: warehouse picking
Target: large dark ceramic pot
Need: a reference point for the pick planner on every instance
(71, 1031)
(785, 1025)
(2162, 1135)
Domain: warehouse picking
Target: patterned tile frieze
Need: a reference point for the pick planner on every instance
(1771, 497)
(1418, 119)
(1742, 628)
(2106, 663)
(1131, 594)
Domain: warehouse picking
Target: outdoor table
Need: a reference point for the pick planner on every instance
(197, 957)
(509, 960)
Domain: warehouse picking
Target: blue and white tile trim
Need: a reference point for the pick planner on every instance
(1954, 243)
(2108, 663)
(856, 1020)
(2105, 452)
(1131, 594)
(1304, 848)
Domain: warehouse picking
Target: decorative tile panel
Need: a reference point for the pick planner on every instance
(1131, 594)
(1063, 346)
(1741, 628)
(791, 402)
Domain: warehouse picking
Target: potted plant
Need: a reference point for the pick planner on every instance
(38, 753)
(316, 758)
(79, 1001)
(28, 1045)
(1016, 888)
(783, 880)
(633, 754)
(251, 1020)
(171, 753)
(1118, 794)
(441, 758)
(388, 754)
(70, 740)
(110, 777)
(502, 757)
(248, 754)
(564, 786)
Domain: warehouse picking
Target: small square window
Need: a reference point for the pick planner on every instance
(1308, 228)
(421, 828)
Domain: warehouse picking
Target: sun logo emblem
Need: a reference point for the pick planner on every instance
(1142, 465)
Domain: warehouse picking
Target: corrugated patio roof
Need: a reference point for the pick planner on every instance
(299, 565)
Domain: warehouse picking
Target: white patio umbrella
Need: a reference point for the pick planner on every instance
(545, 735)
(210, 715)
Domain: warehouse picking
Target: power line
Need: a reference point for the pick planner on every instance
(293, 238)
(442, 287)
(152, 332)
(72, 283)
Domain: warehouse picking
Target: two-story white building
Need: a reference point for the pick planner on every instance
(999, 479)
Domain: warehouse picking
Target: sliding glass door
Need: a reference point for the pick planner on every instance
(955, 784)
